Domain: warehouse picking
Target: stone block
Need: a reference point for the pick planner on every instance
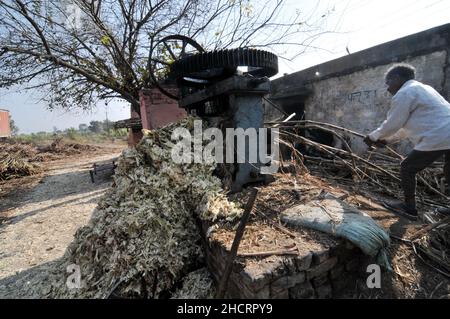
(320, 256)
(321, 268)
(324, 292)
(352, 265)
(284, 294)
(304, 262)
(255, 279)
(321, 280)
(289, 281)
(344, 254)
(302, 291)
(337, 272)
(290, 265)
(263, 293)
(343, 283)
(238, 289)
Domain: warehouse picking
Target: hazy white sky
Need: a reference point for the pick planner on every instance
(31, 116)
(358, 24)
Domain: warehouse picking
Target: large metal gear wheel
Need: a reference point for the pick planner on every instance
(201, 68)
(177, 47)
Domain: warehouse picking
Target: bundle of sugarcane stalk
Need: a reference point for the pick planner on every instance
(378, 169)
(375, 168)
(433, 242)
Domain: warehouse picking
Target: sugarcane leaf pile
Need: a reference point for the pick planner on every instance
(143, 237)
(16, 161)
(196, 285)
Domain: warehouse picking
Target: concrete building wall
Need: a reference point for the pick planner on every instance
(360, 102)
(350, 91)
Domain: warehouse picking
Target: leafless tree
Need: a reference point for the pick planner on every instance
(82, 51)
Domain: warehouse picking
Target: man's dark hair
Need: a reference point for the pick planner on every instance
(404, 71)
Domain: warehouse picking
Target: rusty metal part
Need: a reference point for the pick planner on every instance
(156, 62)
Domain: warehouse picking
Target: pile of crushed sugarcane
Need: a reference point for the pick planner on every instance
(378, 169)
(19, 159)
(16, 161)
(60, 147)
(143, 237)
(196, 285)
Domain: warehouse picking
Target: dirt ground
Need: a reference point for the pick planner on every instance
(40, 214)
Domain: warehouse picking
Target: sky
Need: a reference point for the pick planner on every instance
(32, 116)
(354, 25)
(360, 24)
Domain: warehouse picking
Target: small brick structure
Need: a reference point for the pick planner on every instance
(318, 274)
(158, 110)
(5, 129)
(134, 135)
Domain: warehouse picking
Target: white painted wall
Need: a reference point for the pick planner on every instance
(360, 102)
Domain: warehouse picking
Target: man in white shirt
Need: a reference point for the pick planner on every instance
(418, 112)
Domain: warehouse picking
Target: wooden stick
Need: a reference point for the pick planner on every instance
(354, 169)
(337, 128)
(400, 239)
(353, 156)
(309, 142)
(428, 228)
(292, 251)
(400, 157)
(431, 266)
(432, 188)
(320, 123)
(279, 227)
(341, 138)
(235, 246)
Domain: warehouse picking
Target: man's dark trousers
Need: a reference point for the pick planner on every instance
(416, 162)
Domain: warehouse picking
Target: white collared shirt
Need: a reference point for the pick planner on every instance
(418, 112)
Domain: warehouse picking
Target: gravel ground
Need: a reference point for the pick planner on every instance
(42, 222)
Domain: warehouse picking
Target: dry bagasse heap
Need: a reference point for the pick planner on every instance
(196, 285)
(19, 159)
(16, 160)
(143, 236)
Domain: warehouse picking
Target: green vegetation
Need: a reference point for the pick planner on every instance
(13, 126)
(97, 132)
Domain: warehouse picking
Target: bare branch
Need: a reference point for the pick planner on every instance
(24, 12)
